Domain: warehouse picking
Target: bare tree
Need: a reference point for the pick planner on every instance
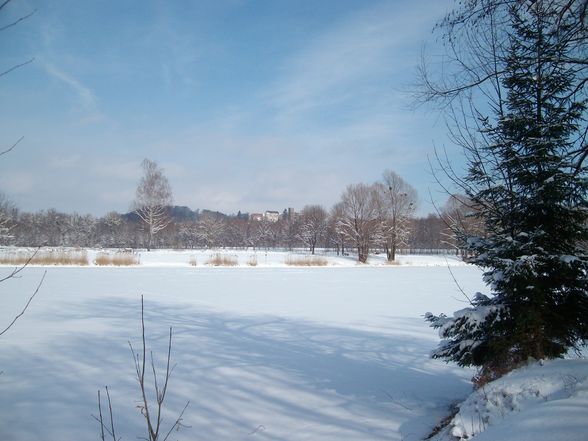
(7, 218)
(398, 204)
(210, 230)
(336, 226)
(313, 225)
(153, 199)
(360, 222)
(462, 219)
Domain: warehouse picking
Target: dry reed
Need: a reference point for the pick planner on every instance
(119, 258)
(44, 257)
(219, 259)
(252, 261)
(306, 261)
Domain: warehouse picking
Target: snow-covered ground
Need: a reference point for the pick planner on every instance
(245, 258)
(279, 258)
(276, 353)
(540, 402)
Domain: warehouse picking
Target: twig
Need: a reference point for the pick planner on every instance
(101, 419)
(26, 306)
(20, 268)
(110, 411)
(12, 146)
(457, 283)
(14, 23)
(178, 423)
(154, 425)
(17, 66)
(395, 401)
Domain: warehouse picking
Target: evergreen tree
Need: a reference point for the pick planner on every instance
(532, 192)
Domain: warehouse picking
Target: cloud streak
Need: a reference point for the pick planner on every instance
(350, 62)
(86, 98)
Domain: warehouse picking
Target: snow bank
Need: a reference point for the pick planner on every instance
(540, 402)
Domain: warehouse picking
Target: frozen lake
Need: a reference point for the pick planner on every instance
(333, 353)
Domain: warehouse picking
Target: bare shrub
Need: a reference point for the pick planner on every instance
(219, 259)
(44, 257)
(252, 261)
(152, 411)
(119, 258)
(306, 261)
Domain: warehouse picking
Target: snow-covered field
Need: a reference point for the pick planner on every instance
(245, 258)
(269, 352)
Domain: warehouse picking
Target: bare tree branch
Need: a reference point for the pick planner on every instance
(17, 67)
(12, 147)
(14, 23)
(17, 270)
(26, 306)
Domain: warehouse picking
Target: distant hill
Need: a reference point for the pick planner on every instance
(181, 214)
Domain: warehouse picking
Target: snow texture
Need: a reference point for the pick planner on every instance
(333, 353)
(540, 402)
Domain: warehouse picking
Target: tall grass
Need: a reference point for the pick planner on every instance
(219, 259)
(118, 258)
(306, 261)
(44, 257)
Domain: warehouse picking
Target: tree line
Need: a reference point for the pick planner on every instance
(368, 218)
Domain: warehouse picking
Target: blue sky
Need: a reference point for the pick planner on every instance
(247, 105)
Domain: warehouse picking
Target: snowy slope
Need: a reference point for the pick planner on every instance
(540, 402)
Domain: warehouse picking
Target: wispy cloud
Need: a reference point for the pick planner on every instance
(64, 162)
(351, 59)
(17, 182)
(85, 97)
(113, 169)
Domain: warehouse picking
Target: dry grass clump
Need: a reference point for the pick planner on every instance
(119, 258)
(219, 259)
(44, 257)
(252, 261)
(306, 261)
(193, 261)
